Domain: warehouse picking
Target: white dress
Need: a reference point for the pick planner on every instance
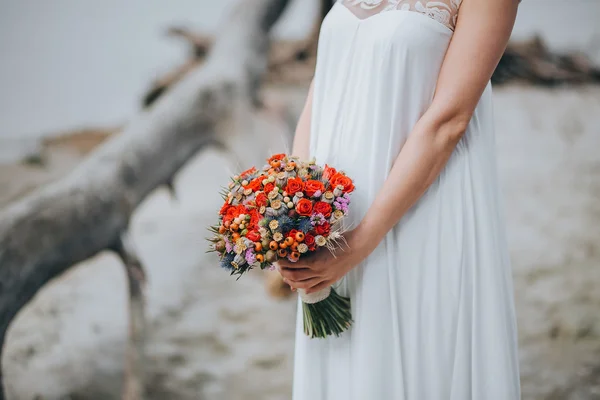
(433, 304)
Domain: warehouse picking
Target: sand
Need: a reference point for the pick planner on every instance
(211, 337)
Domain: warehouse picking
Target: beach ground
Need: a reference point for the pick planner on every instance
(211, 337)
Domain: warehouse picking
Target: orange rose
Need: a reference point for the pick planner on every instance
(304, 207)
(255, 218)
(328, 172)
(224, 209)
(253, 235)
(254, 184)
(261, 199)
(312, 186)
(248, 172)
(276, 157)
(269, 187)
(294, 185)
(323, 208)
(341, 179)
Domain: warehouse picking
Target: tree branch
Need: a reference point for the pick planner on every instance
(50, 230)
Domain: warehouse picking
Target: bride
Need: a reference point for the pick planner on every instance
(401, 102)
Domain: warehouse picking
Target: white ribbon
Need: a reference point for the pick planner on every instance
(312, 298)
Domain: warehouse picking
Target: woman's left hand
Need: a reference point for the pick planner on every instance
(321, 269)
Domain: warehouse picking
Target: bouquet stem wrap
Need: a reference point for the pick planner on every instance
(325, 313)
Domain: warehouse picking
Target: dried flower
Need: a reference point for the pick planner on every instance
(278, 236)
(273, 194)
(273, 224)
(337, 215)
(240, 246)
(320, 240)
(302, 248)
(276, 204)
(238, 261)
(262, 209)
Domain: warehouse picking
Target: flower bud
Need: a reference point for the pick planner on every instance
(271, 256)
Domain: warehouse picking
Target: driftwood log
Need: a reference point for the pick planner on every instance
(88, 211)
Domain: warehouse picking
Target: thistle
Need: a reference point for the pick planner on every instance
(285, 223)
(305, 225)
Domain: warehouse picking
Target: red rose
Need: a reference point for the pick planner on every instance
(248, 172)
(323, 208)
(312, 186)
(292, 233)
(269, 187)
(328, 172)
(304, 207)
(341, 179)
(309, 240)
(254, 184)
(261, 199)
(323, 229)
(253, 235)
(294, 185)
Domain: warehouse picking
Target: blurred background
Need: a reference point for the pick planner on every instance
(75, 73)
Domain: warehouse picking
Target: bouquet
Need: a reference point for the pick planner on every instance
(288, 209)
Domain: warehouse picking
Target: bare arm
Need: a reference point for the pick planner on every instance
(480, 37)
(301, 144)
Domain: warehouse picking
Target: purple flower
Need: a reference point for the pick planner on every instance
(250, 257)
(337, 205)
(228, 245)
(317, 194)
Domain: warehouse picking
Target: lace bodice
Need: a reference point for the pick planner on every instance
(443, 11)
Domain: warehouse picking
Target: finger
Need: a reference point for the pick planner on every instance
(306, 284)
(292, 288)
(295, 275)
(320, 286)
(285, 263)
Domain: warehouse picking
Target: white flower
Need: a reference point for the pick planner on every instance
(320, 240)
(302, 248)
